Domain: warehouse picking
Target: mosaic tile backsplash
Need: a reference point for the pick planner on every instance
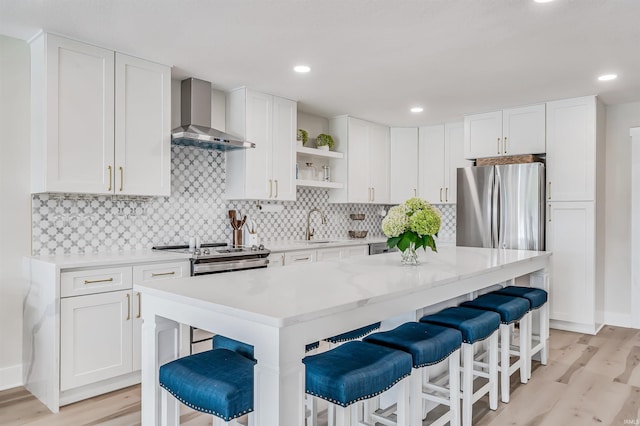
(65, 224)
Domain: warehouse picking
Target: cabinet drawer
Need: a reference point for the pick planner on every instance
(276, 260)
(143, 274)
(76, 283)
(355, 251)
(306, 256)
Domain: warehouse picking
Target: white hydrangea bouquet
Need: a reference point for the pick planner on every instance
(410, 226)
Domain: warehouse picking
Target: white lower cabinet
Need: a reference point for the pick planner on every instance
(573, 291)
(101, 320)
(276, 259)
(302, 256)
(95, 338)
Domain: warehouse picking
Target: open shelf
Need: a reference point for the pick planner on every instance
(319, 184)
(319, 153)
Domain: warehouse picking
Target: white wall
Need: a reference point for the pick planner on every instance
(620, 118)
(313, 124)
(15, 202)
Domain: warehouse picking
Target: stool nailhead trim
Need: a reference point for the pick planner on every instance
(202, 410)
(362, 398)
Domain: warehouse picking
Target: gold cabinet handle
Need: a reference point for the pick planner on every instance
(415, 192)
(498, 145)
(161, 274)
(505, 145)
(373, 194)
(549, 210)
(110, 178)
(549, 191)
(270, 186)
(446, 195)
(276, 196)
(128, 306)
(121, 177)
(139, 304)
(106, 280)
(440, 194)
(302, 258)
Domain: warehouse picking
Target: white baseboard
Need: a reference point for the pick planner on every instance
(11, 377)
(618, 320)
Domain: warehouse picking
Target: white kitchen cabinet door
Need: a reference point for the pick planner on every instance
(302, 256)
(403, 164)
(379, 163)
(355, 251)
(95, 338)
(571, 149)
(266, 172)
(431, 168)
(454, 158)
(571, 238)
(483, 135)
(285, 125)
(142, 127)
(523, 130)
(359, 188)
(72, 113)
(333, 253)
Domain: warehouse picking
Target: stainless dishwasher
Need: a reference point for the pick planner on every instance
(379, 248)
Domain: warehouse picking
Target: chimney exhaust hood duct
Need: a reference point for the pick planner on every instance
(195, 129)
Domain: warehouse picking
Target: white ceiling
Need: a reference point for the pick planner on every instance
(370, 59)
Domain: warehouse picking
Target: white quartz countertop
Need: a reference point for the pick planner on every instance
(294, 245)
(67, 261)
(284, 296)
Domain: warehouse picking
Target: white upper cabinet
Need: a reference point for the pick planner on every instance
(266, 172)
(571, 153)
(512, 131)
(142, 127)
(366, 169)
(441, 152)
(99, 125)
(403, 164)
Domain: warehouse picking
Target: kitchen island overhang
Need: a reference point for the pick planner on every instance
(280, 310)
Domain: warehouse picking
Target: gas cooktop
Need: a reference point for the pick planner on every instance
(216, 250)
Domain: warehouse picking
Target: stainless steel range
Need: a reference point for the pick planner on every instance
(211, 258)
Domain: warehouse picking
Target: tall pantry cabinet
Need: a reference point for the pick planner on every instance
(100, 120)
(575, 212)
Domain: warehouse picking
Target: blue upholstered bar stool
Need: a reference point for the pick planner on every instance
(218, 382)
(428, 344)
(354, 372)
(511, 310)
(538, 301)
(475, 326)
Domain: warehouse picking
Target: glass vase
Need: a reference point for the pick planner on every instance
(409, 256)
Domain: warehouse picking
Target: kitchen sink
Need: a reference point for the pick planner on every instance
(320, 241)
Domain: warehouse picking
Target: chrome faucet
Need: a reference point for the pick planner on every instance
(310, 231)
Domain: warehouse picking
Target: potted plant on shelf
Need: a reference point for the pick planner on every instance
(302, 136)
(324, 142)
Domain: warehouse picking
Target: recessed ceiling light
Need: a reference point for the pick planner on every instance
(302, 68)
(543, 1)
(608, 77)
(417, 109)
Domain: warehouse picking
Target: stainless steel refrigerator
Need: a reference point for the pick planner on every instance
(501, 206)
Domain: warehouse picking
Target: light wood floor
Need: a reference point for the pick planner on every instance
(589, 380)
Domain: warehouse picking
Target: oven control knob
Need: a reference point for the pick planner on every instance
(261, 247)
(206, 251)
(254, 248)
(196, 252)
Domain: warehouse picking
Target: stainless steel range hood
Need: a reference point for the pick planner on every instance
(196, 128)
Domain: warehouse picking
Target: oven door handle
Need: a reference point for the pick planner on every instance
(211, 267)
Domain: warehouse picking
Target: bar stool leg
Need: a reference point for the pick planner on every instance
(331, 415)
(403, 403)
(170, 409)
(454, 389)
(343, 415)
(505, 363)
(544, 333)
(467, 383)
(524, 352)
(493, 372)
(415, 398)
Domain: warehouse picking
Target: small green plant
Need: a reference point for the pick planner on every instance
(303, 136)
(324, 139)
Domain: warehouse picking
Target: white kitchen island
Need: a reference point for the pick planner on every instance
(280, 310)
